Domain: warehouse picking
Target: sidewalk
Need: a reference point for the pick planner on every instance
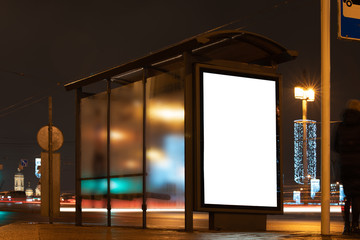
(32, 231)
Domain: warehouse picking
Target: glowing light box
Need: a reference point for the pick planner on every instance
(239, 144)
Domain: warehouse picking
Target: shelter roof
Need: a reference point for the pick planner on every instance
(229, 45)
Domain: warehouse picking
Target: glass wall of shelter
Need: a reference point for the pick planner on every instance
(136, 117)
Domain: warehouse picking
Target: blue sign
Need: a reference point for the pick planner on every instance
(24, 162)
(349, 19)
(38, 167)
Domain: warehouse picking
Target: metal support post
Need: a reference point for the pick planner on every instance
(305, 161)
(325, 117)
(51, 214)
(189, 142)
(78, 216)
(108, 198)
(144, 205)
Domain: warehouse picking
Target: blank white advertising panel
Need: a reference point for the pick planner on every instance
(239, 140)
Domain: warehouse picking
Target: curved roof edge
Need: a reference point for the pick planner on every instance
(279, 54)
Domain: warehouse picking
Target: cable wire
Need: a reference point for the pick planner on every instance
(255, 16)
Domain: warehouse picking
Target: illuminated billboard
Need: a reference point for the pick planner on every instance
(238, 165)
(37, 167)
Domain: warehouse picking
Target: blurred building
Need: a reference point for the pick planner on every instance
(297, 197)
(38, 191)
(19, 181)
(29, 192)
(314, 187)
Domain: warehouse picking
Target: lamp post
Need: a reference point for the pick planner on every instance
(306, 95)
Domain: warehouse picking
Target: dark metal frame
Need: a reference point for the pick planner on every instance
(189, 140)
(144, 194)
(248, 72)
(78, 215)
(108, 195)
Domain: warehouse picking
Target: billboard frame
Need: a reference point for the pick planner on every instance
(243, 71)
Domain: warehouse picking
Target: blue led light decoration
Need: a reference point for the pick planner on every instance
(298, 150)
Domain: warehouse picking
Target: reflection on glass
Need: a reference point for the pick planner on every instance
(164, 145)
(165, 141)
(93, 136)
(93, 151)
(125, 185)
(126, 130)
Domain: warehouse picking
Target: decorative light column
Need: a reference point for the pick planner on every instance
(306, 95)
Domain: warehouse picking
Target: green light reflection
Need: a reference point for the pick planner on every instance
(125, 185)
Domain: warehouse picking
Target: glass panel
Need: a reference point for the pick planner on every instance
(165, 147)
(93, 156)
(126, 153)
(93, 136)
(126, 130)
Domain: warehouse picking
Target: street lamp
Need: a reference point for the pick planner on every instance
(306, 95)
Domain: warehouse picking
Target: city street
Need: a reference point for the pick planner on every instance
(299, 219)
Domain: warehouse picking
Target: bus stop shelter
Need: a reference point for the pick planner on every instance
(139, 129)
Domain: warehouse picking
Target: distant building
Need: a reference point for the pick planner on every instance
(297, 197)
(19, 181)
(38, 191)
(29, 192)
(315, 187)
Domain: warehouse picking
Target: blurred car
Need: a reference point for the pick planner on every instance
(17, 196)
(2, 195)
(67, 198)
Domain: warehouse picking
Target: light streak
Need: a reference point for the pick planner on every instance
(287, 209)
(310, 209)
(115, 210)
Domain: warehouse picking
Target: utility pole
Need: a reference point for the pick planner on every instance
(50, 163)
(325, 117)
(50, 139)
(305, 160)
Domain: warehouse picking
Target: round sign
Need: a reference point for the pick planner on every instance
(43, 138)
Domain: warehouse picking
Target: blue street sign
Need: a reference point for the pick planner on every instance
(38, 167)
(24, 162)
(349, 19)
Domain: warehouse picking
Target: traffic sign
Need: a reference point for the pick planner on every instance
(38, 167)
(43, 138)
(349, 19)
(24, 162)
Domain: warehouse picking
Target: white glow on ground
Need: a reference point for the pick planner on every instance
(310, 209)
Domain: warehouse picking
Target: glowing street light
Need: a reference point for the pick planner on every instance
(306, 95)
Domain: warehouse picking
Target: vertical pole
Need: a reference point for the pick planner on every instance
(305, 162)
(325, 117)
(108, 153)
(189, 143)
(78, 215)
(144, 205)
(50, 163)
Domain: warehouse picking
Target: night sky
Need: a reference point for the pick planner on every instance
(45, 44)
